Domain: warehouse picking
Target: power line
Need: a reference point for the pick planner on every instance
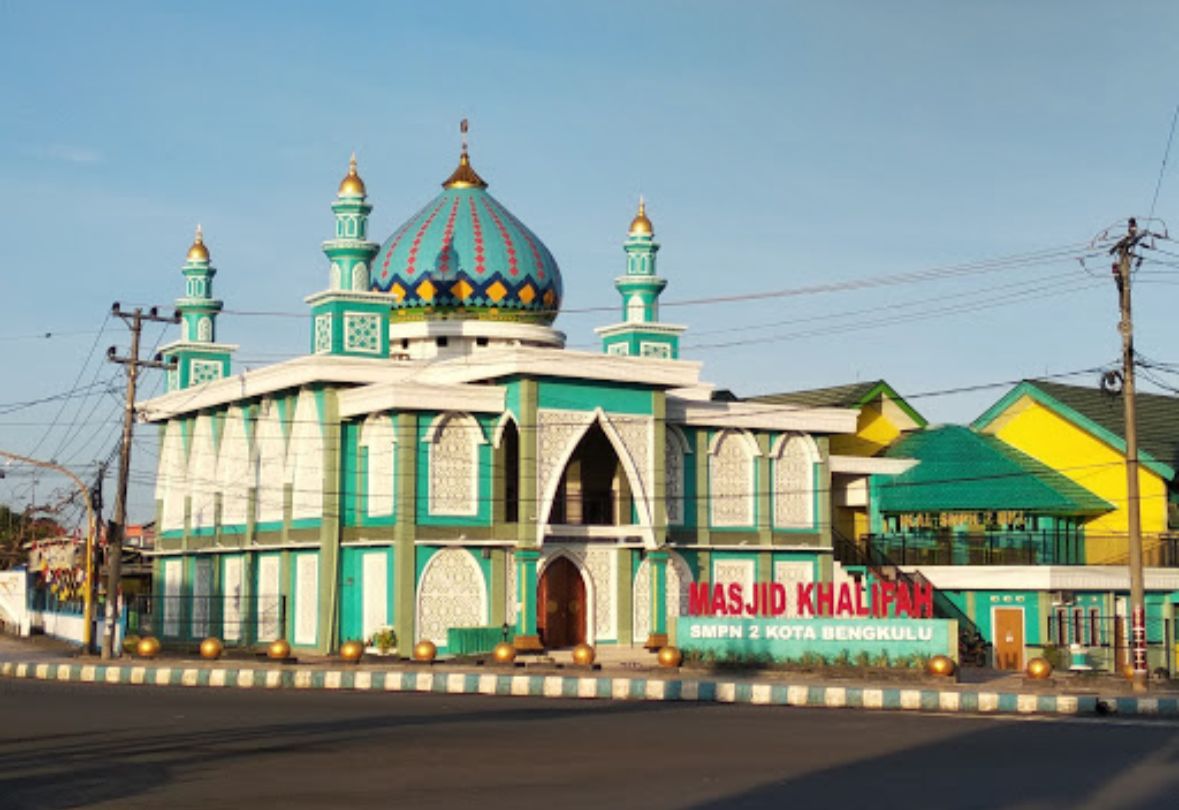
(1163, 168)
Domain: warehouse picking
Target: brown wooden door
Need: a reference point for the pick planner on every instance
(560, 605)
(1008, 638)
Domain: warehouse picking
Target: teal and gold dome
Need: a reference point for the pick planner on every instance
(465, 256)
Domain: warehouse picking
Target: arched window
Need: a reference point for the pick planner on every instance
(635, 309)
(454, 441)
(730, 474)
(359, 277)
(377, 439)
(205, 329)
(794, 485)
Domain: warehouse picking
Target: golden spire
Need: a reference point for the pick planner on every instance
(198, 252)
(640, 225)
(352, 185)
(464, 176)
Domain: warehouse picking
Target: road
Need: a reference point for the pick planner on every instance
(69, 745)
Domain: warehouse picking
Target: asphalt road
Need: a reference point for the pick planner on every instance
(64, 745)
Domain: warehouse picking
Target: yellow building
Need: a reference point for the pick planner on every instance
(1080, 433)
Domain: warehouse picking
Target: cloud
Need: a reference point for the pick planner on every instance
(70, 154)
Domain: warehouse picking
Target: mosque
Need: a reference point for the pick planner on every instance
(438, 462)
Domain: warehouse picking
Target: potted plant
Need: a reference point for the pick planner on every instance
(383, 641)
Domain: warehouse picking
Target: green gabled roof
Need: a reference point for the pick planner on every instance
(960, 469)
(1103, 415)
(854, 395)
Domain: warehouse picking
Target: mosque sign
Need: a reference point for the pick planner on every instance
(892, 618)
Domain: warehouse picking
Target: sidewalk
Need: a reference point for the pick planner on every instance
(617, 678)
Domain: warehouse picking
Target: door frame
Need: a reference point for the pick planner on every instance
(1023, 635)
(586, 581)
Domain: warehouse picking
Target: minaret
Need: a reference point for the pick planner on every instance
(641, 333)
(348, 318)
(199, 357)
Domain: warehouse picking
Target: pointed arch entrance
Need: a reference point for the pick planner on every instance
(561, 605)
(595, 487)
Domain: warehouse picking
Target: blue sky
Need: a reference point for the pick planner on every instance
(780, 146)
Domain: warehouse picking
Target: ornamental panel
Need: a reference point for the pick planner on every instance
(790, 573)
(637, 436)
(730, 470)
(673, 479)
(452, 593)
(204, 371)
(728, 572)
(659, 351)
(454, 467)
(323, 333)
(794, 485)
(620, 349)
(362, 332)
(679, 578)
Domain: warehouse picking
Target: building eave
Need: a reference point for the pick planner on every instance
(759, 416)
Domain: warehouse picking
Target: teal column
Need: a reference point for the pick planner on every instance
(657, 564)
(526, 565)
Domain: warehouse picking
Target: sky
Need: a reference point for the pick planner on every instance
(877, 167)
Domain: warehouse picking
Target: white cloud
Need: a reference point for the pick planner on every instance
(70, 154)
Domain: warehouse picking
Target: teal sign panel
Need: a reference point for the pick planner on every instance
(790, 639)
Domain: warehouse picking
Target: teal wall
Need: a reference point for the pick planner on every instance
(586, 396)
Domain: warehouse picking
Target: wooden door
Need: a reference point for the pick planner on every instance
(560, 605)
(1007, 624)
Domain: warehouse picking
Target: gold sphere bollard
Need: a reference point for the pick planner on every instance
(670, 657)
(941, 666)
(583, 655)
(278, 650)
(424, 651)
(504, 653)
(1039, 669)
(351, 651)
(211, 648)
(148, 647)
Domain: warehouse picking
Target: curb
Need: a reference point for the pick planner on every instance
(595, 687)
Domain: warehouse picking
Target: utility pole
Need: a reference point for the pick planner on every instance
(114, 541)
(91, 581)
(1122, 271)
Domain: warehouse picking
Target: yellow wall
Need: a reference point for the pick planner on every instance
(875, 431)
(1073, 452)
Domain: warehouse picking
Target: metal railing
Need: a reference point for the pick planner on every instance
(1019, 548)
(849, 552)
(237, 621)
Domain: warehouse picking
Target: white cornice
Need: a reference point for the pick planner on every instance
(640, 326)
(278, 377)
(349, 295)
(871, 465)
(192, 345)
(405, 396)
(537, 362)
(761, 416)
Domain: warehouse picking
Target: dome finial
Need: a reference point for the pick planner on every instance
(352, 185)
(464, 176)
(640, 225)
(198, 252)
